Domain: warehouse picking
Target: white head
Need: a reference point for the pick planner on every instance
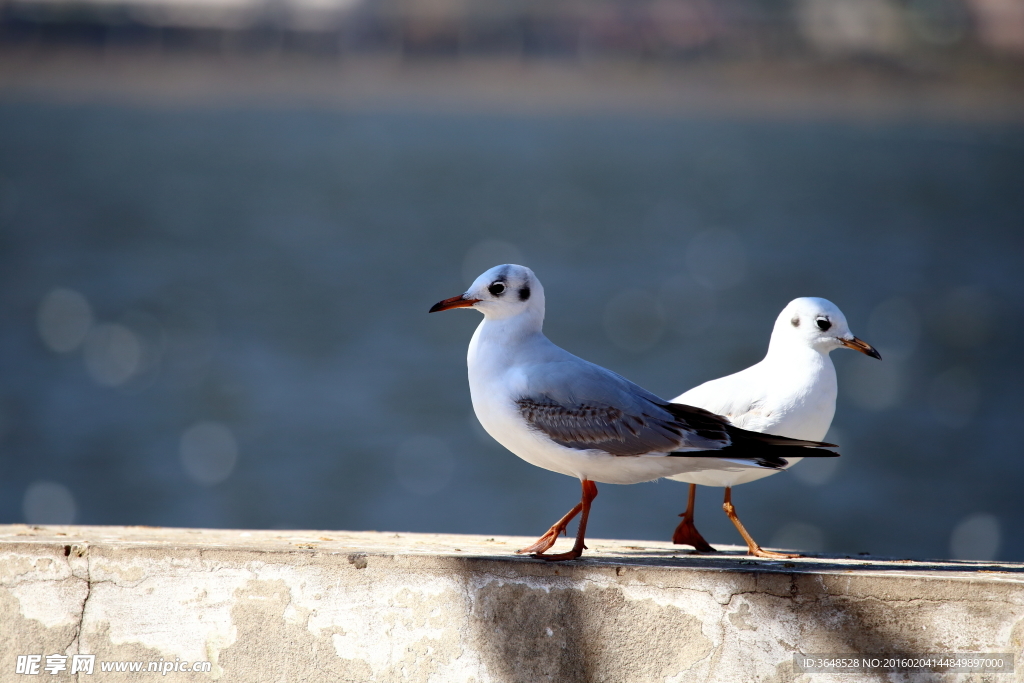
(502, 292)
(815, 323)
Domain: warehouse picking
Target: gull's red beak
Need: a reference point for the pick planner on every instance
(858, 345)
(459, 301)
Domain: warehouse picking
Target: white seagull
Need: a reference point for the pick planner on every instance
(792, 392)
(560, 412)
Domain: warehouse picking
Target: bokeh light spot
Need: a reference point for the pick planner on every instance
(208, 452)
(976, 537)
(112, 354)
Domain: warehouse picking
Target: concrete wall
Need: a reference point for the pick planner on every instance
(337, 606)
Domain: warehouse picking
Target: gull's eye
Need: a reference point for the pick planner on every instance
(823, 324)
(496, 288)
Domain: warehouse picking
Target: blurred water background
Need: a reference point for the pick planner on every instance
(222, 224)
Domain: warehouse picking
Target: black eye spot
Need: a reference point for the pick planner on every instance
(795, 321)
(524, 293)
(823, 324)
(496, 288)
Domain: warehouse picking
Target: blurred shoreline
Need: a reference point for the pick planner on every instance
(501, 85)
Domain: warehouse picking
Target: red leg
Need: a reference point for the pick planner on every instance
(752, 545)
(686, 533)
(589, 494)
(549, 538)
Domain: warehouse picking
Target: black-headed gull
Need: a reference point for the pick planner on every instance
(792, 392)
(560, 412)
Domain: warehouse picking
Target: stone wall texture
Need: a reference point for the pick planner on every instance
(341, 606)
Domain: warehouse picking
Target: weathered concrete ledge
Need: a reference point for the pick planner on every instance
(342, 606)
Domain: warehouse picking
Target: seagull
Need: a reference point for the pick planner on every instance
(567, 415)
(792, 392)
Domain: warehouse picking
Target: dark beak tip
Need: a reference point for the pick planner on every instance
(459, 301)
(862, 346)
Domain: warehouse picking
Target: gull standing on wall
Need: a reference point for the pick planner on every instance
(792, 392)
(567, 415)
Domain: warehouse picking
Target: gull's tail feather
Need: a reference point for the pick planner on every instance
(772, 457)
(748, 439)
(698, 418)
(764, 450)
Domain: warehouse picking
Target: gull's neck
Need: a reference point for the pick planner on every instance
(498, 341)
(803, 380)
(785, 351)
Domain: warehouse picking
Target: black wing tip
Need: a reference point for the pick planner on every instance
(763, 440)
(699, 418)
(764, 455)
(808, 452)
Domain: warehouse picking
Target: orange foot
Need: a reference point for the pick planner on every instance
(758, 551)
(544, 542)
(552, 534)
(686, 534)
(561, 557)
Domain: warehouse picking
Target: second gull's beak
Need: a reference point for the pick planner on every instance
(858, 345)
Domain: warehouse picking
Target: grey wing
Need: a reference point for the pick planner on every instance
(583, 406)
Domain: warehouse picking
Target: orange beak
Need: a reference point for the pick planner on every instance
(862, 346)
(459, 301)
